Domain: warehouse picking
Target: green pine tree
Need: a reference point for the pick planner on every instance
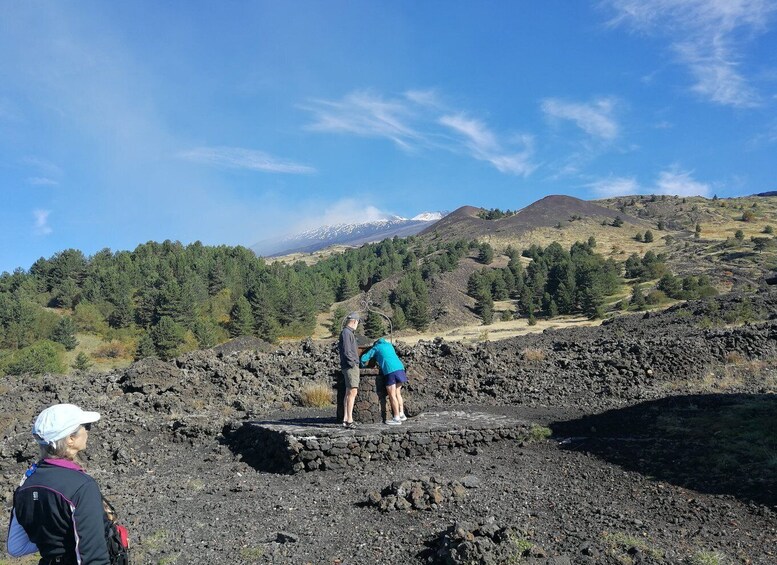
(337, 321)
(398, 320)
(637, 298)
(206, 332)
(486, 254)
(347, 287)
(82, 362)
(65, 333)
(241, 319)
(146, 347)
(374, 326)
(168, 335)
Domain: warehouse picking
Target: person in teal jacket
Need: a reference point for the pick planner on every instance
(394, 371)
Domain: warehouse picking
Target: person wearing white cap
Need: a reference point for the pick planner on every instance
(58, 508)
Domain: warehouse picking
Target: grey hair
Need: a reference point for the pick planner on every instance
(56, 449)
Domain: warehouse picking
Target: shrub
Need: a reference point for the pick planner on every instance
(88, 318)
(112, 350)
(539, 433)
(42, 357)
(533, 355)
(655, 297)
(316, 395)
(748, 216)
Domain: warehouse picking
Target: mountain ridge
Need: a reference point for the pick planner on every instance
(349, 234)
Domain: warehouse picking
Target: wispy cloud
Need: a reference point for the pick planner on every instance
(424, 97)
(706, 37)
(366, 114)
(672, 180)
(41, 226)
(413, 122)
(239, 158)
(595, 118)
(615, 186)
(680, 183)
(44, 168)
(484, 146)
(766, 136)
(42, 181)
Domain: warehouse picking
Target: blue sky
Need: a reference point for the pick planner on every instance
(230, 122)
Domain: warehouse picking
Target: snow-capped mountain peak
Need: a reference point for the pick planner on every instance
(429, 216)
(353, 234)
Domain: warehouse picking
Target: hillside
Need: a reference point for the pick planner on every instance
(728, 243)
(549, 212)
(166, 299)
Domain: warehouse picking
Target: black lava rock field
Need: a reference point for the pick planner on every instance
(656, 443)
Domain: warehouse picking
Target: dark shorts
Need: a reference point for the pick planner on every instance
(396, 378)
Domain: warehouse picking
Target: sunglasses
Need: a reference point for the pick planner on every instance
(87, 427)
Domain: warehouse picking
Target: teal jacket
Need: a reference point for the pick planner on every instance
(385, 355)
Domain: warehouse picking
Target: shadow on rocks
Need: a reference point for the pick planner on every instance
(262, 446)
(712, 443)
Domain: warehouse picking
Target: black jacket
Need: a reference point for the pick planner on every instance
(60, 507)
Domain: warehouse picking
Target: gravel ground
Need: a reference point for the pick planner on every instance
(218, 510)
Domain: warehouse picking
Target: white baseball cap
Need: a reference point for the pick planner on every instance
(59, 421)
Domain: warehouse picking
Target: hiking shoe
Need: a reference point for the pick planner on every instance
(351, 425)
(345, 424)
(394, 421)
(402, 417)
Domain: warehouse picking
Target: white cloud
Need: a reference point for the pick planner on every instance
(41, 181)
(45, 168)
(595, 118)
(239, 158)
(615, 186)
(423, 97)
(41, 226)
(347, 211)
(413, 122)
(680, 183)
(672, 181)
(706, 38)
(484, 146)
(365, 114)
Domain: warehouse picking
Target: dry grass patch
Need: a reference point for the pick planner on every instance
(707, 558)
(473, 334)
(533, 355)
(316, 395)
(734, 358)
(111, 350)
